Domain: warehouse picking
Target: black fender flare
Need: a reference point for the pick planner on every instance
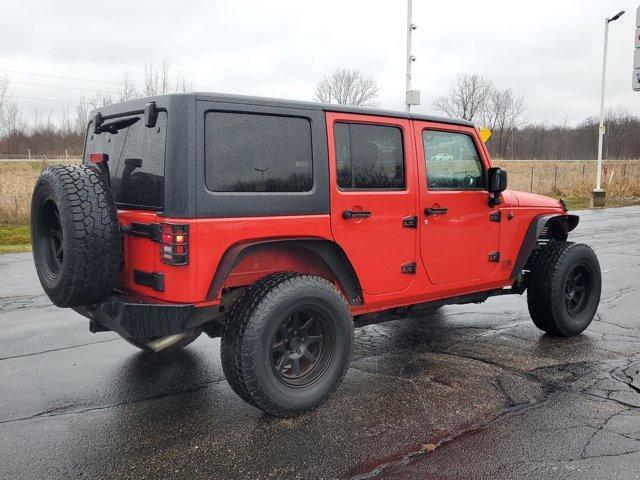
(559, 226)
(327, 250)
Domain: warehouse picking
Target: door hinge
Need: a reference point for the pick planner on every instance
(494, 257)
(496, 216)
(410, 222)
(409, 267)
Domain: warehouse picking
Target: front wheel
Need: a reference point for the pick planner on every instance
(287, 342)
(564, 293)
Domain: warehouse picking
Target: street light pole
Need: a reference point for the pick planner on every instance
(598, 198)
(410, 29)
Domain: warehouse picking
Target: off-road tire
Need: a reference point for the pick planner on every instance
(246, 342)
(191, 336)
(73, 206)
(546, 295)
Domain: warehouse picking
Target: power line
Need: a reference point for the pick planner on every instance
(75, 57)
(193, 72)
(63, 86)
(45, 99)
(62, 77)
(183, 71)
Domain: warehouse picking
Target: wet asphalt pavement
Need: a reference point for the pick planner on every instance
(471, 391)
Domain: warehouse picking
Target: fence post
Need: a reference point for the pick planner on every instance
(29, 153)
(583, 169)
(624, 172)
(555, 179)
(531, 187)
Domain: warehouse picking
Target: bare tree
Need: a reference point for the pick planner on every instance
(5, 82)
(347, 87)
(85, 105)
(156, 80)
(619, 121)
(99, 100)
(503, 113)
(13, 126)
(127, 89)
(467, 97)
(182, 84)
(82, 116)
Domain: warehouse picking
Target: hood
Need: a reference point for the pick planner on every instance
(526, 199)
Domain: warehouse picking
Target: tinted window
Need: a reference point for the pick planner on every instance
(136, 158)
(453, 162)
(369, 156)
(257, 153)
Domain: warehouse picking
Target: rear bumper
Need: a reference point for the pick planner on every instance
(144, 318)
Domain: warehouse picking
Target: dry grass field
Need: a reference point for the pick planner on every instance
(17, 180)
(571, 180)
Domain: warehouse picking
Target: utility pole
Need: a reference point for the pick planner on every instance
(598, 197)
(412, 97)
(636, 57)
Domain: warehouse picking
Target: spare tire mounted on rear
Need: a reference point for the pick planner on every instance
(75, 235)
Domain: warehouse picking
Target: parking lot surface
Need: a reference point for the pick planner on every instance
(471, 391)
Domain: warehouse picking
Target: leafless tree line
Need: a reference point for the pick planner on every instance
(66, 133)
(477, 99)
(471, 97)
(544, 141)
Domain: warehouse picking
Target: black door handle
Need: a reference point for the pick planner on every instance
(435, 211)
(347, 214)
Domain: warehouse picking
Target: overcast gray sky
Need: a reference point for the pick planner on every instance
(549, 51)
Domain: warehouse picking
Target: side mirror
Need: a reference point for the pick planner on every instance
(497, 180)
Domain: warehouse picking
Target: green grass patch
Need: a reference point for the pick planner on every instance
(14, 238)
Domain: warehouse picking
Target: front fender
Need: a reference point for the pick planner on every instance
(555, 226)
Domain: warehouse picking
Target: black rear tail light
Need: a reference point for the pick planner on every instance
(174, 244)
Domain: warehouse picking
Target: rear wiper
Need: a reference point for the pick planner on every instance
(115, 125)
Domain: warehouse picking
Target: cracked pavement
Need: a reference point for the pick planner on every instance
(469, 391)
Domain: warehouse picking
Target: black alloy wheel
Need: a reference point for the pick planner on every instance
(577, 290)
(301, 347)
(52, 237)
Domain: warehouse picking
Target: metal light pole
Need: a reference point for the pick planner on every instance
(412, 97)
(598, 198)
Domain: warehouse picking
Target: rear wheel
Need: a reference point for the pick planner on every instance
(287, 342)
(565, 289)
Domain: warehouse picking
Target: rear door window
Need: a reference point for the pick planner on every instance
(369, 156)
(246, 152)
(136, 159)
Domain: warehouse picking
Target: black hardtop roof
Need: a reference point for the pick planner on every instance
(327, 107)
(138, 104)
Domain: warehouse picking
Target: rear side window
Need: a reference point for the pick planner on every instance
(369, 156)
(453, 162)
(136, 159)
(247, 152)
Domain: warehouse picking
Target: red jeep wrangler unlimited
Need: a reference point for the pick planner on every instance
(279, 225)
